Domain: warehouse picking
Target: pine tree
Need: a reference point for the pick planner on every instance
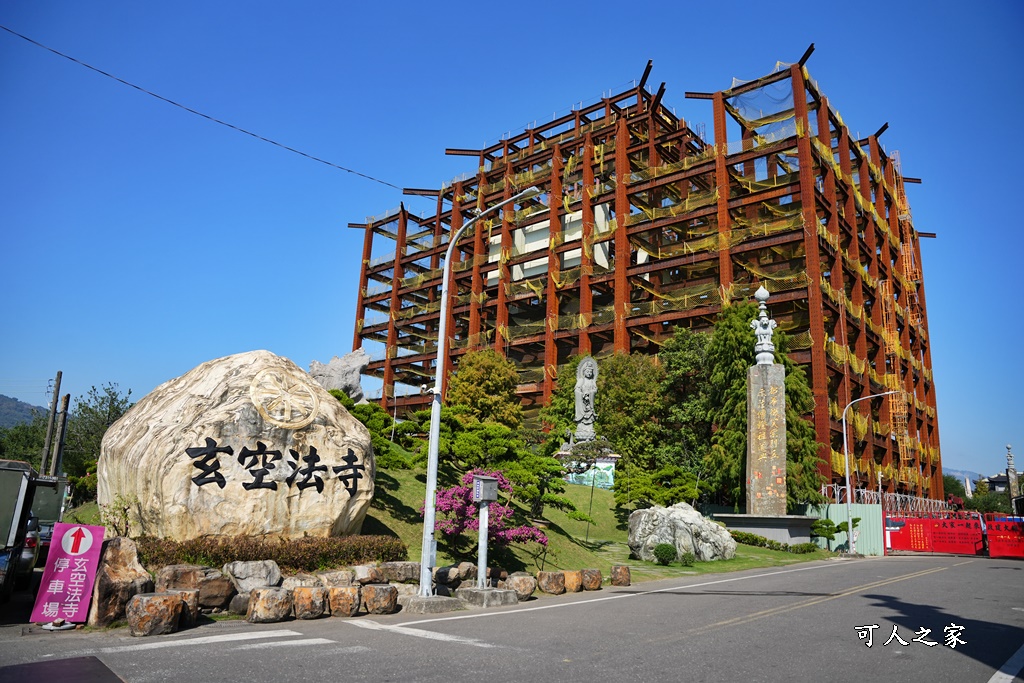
(485, 383)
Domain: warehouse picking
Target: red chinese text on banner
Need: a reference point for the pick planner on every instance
(66, 588)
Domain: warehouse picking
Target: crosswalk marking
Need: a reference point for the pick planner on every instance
(288, 643)
(184, 642)
(420, 633)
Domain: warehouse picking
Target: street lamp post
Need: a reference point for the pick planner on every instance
(426, 555)
(846, 461)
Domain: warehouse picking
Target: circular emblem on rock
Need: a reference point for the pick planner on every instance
(282, 400)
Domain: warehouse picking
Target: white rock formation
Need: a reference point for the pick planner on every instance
(682, 526)
(243, 445)
(342, 373)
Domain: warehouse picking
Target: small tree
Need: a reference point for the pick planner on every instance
(89, 420)
(485, 383)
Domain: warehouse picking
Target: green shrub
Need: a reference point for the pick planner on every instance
(298, 555)
(687, 559)
(803, 548)
(664, 553)
(762, 542)
(824, 528)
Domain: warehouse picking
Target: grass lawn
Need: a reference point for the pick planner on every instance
(572, 544)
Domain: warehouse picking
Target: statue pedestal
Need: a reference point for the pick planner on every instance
(789, 529)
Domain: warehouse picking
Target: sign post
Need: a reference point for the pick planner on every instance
(485, 492)
(70, 572)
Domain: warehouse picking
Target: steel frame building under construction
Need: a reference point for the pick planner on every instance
(644, 225)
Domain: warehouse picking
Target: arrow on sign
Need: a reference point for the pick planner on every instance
(77, 540)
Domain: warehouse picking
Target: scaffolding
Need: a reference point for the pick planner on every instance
(643, 225)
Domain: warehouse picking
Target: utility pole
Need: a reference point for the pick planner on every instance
(58, 456)
(49, 424)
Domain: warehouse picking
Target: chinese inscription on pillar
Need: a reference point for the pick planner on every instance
(766, 423)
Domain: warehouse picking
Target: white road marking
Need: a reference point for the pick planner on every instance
(419, 633)
(286, 643)
(183, 642)
(618, 596)
(1007, 672)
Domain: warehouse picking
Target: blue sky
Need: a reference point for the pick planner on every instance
(140, 240)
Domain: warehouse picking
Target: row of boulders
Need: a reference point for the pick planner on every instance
(175, 609)
(258, 590)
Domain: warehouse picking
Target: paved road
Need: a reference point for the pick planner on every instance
(795, 623)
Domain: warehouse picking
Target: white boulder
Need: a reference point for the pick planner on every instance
(682, 526)
(247, 445)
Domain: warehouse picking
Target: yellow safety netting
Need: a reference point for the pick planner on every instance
(419, 279)
(535, 285)
(678, 299)
(751, 185)
(843, 355)
(692, 202)
(776, 281)
(709, 153)
(753, 229)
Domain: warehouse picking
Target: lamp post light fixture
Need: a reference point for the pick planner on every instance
(428, 552)
(846, 461)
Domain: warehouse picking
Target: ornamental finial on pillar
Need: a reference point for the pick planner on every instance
(763, 327)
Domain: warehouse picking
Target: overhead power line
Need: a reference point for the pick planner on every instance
(198, 113)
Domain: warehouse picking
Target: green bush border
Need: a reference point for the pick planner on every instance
(762, 542)
(297, 555)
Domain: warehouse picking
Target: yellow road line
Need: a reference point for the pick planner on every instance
(810, 602)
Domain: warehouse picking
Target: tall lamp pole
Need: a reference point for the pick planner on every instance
(427, 553)
(846, 460)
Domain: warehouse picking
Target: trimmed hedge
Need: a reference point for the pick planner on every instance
(762, 542)
(298, 555)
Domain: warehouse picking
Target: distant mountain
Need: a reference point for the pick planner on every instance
(960, 474)
(13, 411)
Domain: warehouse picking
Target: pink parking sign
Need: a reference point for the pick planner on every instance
(66, 588)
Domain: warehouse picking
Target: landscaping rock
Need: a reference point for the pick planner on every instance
(522, 583)
(337, 577)
(551, 582)
(380, 599)
(407, 588)
(683, 527)
(573, 581)
(342, 373)
(447, 576)
(592, 579)
(620, 575)
(309, 602)
(401, 572)
(268, 605)
(152, 614)
(215, 589)
(186, 451)
(366, 573)
(293, 582)
(119, 577)
(256, 574)
(190, 607)
(239, 604)
(344, 600)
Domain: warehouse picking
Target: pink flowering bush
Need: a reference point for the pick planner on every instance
(457, 513)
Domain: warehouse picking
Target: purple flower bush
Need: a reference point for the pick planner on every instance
(457, 513)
